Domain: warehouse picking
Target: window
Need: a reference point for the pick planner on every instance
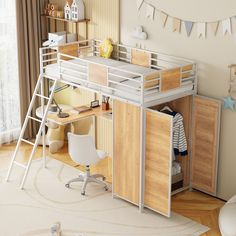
(9, 83)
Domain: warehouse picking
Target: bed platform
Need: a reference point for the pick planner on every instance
(133, 75)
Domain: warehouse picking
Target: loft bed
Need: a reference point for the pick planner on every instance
(136, 76)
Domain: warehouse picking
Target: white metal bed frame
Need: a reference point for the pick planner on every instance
(160, 62)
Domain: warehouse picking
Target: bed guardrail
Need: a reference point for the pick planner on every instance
(169, 72)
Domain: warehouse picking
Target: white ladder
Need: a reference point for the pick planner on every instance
(40, 131)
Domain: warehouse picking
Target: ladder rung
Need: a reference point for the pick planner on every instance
(20, 165)
(41, 96)
(32, 118)
(26, 141)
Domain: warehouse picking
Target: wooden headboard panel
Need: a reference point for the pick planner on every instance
(140, 58)
(71, 50)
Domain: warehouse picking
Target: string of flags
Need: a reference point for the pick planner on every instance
(176, 22)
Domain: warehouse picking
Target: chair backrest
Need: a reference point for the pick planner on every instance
(82, 149)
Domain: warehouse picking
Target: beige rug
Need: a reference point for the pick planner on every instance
(45, 200)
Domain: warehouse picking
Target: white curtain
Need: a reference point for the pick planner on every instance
(9, 83)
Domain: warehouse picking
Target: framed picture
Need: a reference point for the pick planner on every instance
(94, 104)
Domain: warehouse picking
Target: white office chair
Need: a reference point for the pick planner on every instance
(82, 151)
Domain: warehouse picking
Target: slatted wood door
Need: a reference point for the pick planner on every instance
(158, 162)
(126, 159)
(205, 143)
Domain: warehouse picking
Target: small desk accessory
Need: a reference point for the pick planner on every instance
(94, 104)
(105, 103)
(82, 109)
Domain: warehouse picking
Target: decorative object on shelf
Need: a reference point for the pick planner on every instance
(60, 14)
(105, 103)
(106, 48)
(229, 101)
(94, 104)
(55, 39)
(67, 11)
(47, 9)
(139, 33)
(77, 10)
(176, 22)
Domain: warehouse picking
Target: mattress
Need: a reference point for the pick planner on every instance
(76, 71)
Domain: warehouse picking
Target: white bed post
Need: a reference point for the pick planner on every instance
(142, 149)
(43, 110)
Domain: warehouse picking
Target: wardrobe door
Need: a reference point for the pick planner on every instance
(126, 160)
(158, 162)
(205, 143)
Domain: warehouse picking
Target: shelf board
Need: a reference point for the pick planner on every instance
(64, 20)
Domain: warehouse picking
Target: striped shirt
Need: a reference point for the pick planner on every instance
(179, 138)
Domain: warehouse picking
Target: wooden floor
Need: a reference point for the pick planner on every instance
(194, 205)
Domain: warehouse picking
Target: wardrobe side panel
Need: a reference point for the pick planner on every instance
(205, 139)
(126, 159)
(158, 162)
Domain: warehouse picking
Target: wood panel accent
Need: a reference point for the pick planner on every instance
(71, 50)
(140, 58)
(148, 78)
(126, 151)
(170, 79)
(98, 74)
(158, 162)
(205, 138)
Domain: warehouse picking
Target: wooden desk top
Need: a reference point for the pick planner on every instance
(76, 117)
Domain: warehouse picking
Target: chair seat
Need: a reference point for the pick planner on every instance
(101, 154)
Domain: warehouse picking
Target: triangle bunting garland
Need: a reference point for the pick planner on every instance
(226, 26)
(150, 12)
(214, 27)
(201, 27)
(176, 25)
(139, 4)
(201, 30)
(188, 27)
(164, 17)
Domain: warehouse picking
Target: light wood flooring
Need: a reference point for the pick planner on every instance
(194, 205)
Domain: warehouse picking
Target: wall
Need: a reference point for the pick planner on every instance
(213, 55)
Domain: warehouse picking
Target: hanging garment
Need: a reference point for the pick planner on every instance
(179, 138)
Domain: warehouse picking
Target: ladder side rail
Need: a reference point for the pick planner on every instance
(38, 136)
(23, 129)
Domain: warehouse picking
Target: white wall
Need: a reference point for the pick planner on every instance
(213, 55)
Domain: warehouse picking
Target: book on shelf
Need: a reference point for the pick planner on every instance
(82, 109)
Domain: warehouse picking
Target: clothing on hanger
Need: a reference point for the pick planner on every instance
(179, 138)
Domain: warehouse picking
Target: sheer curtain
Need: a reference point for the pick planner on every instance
(9, 80)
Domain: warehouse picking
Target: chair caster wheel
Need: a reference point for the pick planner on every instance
(83, 193)
(106, 188)
(67, 186)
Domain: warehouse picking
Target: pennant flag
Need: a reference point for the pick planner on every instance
(201, 30)
(226, 26)
(164, 17)
(139, 3)
(214, 26)
(176, 25)
(150, 12)
(188, 27)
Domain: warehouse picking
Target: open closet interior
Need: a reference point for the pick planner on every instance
(181, 110)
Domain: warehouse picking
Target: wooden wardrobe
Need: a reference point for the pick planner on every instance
(201, 117)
